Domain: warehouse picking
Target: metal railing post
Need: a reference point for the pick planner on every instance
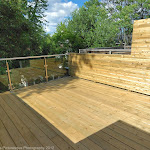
(9, 78)
(45, 65)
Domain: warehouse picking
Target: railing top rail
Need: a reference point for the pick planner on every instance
(103, 50)
(30, 57)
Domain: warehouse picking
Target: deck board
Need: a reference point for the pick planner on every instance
(12, 130)
(72, 113)
(5, 138)
(25, 132)
(43, 139)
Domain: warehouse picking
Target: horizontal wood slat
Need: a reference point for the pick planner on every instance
(129, 73)
(141, 38)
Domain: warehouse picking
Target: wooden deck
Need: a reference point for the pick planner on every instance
(72, 113)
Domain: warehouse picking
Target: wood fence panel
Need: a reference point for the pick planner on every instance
(128, 73)
(141, 38)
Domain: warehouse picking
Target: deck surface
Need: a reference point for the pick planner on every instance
(72, 113)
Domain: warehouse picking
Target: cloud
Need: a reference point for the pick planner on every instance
(56, 12)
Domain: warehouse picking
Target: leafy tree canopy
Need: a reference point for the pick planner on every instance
(102, 23)
(21, 27)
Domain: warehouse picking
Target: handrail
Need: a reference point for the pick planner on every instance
(30, 57)
(103, 50)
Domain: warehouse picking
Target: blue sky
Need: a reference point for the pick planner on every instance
(58, 10)
(79, 2)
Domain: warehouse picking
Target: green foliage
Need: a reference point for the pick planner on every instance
(66, 39)
(21, 33)
(2, 68)
(35, 10)
(90, 26)
(48, 45)
(125, 12)
(105, 33)
(101, 24)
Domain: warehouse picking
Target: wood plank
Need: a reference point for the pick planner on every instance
(61, 143)
(5, 138)
(87, 98)
(100, 121)
(75, 146)
(124, 139)
(12, 130)
(106, 96)
(141, 123)
(91, 145)
(133, 130)
(115, 142)
(48, 131)
(25, 132)
(115, 99)
(99, 140)
(116, 83)
(128, 82)
(141, 29)
(44, 140)
(134, 140)
(88, 107)
(54, 117)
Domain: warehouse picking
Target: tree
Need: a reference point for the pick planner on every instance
(48, 45)
(21, 33)
(141, 7)
(66, 39)
(83, 21)
(90, 26)
(35, 10)
(125, 12)
(106, 32)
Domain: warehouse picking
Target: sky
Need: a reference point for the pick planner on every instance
(58, 10)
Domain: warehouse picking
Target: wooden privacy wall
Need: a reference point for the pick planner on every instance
(123, 71)
(131, 72)
(141, 38)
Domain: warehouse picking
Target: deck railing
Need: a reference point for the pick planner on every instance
(105, 51)
(20, 72)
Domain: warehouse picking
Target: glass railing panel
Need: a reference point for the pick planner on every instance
(27, 72)
(57, 67)
(3, 77)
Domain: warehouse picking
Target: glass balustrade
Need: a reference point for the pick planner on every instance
(23, 72)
